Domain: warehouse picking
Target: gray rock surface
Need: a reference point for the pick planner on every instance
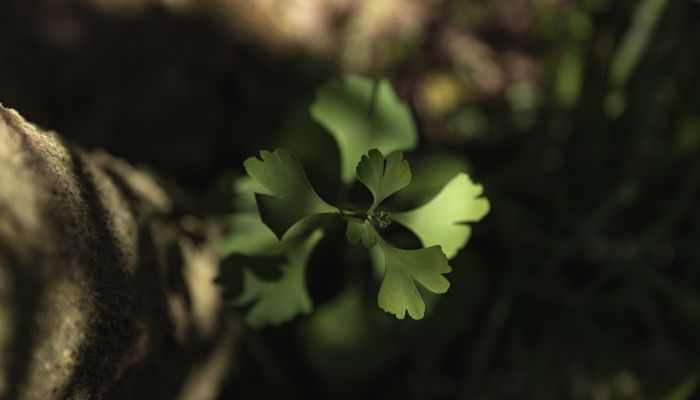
(105, 292)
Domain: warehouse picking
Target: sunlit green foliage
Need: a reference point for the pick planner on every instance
(291, 197)
(403, 268)
(442, 221)
(362, 114)
(291, 217)
(383, 177)
(280, 300)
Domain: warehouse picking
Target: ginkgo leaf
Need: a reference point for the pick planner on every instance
(398, 293)
(363, 114)
(280, 300)
(442, 220)
(430, 172)
(249, 236)
(244, 189)
(383, 177)
(292, 198)
(361, 232)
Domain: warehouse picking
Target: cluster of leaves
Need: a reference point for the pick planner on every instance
(281, 218)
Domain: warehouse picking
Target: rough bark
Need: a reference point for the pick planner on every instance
(103, 293)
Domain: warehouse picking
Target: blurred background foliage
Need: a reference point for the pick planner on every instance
(580, 118)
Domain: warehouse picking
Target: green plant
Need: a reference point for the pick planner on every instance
(280, 217)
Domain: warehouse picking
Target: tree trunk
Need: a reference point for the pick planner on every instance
(103, 292)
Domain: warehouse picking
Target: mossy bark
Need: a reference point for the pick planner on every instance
(103, 293)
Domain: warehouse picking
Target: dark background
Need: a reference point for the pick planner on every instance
(580, 118)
